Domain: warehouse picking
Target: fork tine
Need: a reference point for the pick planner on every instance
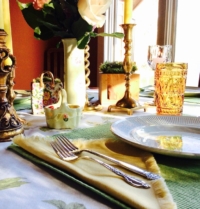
(62, 153)
(56, 151)
(66, 142)
(60, 149)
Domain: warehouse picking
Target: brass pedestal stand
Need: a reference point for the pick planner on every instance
(10, 124)
(127, 103)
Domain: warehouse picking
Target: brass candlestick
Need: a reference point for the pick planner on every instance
(127, 103)
(10, 124)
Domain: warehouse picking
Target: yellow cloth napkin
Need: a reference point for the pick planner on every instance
(157, 197)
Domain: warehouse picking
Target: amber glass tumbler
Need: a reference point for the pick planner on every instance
(170, 81)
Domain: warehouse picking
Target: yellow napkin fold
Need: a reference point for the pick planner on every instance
(157, 197)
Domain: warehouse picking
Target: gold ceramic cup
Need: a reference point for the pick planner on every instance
(170, 81)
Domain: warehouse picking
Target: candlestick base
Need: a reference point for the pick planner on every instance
(126, 109)
(127, 104)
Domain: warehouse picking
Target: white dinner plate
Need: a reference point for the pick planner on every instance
(177, 136)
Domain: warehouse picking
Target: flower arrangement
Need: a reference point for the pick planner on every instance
(67, 19)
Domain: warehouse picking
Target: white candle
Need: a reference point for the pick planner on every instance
(7, 24)
(1, 15)
(128, 9)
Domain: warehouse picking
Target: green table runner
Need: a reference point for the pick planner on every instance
(183, 180)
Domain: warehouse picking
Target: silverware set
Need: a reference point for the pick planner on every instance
(67, 151)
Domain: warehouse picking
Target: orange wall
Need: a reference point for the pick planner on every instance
(29, 52)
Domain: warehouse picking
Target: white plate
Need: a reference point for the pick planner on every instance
(177, 136)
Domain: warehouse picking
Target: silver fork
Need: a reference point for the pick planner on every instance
(69, 156)
(68, 145)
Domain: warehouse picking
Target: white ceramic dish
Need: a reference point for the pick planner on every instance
(177, 136)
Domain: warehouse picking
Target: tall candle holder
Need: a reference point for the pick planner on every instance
(88, 105)
(10, 124)
(127, 103)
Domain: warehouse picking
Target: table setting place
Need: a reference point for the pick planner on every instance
(145, 160)
(133, 167)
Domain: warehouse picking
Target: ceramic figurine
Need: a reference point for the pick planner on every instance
(63, 115)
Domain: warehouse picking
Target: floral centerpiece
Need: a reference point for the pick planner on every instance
(67, 19)
(74, 21)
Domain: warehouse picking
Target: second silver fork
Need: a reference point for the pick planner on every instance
(68, 145)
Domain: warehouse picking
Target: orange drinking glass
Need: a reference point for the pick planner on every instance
(170, 81)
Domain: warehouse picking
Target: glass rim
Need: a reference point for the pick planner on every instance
(160, 45)
(172, 63)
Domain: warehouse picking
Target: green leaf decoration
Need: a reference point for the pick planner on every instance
(114, 35)
(60, 19)
(43, 33)
(62, 205)
(83, 42)
(115, 67)
(30, 14)
(80, 28)
(11, 183)
(23, 5)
